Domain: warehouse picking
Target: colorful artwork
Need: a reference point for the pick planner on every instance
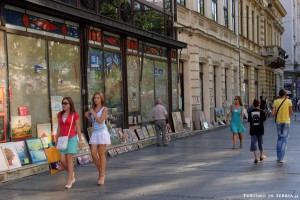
(3, 161)
(114, 137)
(84, 159)
(150, 130)
(139, 133)
(177, 122)
(122, 135)
(145, 132)
(36, 150)
(220, 114)
(85, 145)
(129, 135)
(20, 127)
(23, 110)
(44, 132)
(11, 155)
(22, 151)
(113, 79)
(56, 107)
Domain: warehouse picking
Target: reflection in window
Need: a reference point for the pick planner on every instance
(214, 10)
(174, 87)
(108, 8)
(148, 19)
(133, 71)
(200, 5)
(64, 67)
(181, 2)
(147, 90)
(95, 72)
(161, 82)
(226, 13)
(28, 78)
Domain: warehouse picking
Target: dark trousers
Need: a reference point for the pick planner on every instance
(161, 131)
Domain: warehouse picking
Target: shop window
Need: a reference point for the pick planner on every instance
(133, 78)
(64, 67)
(3, 89)
(28, 81)
(174, 72)
(113, 87)
(95, 75)
(147, 87)
(161, 82)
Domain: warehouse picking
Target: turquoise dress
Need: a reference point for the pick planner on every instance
(236, 125)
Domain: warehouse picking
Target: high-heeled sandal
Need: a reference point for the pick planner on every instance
(68, 186)
(101, 182)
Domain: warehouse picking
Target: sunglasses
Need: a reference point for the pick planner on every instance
(65, 103)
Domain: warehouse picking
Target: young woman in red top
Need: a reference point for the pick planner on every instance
(64, 122)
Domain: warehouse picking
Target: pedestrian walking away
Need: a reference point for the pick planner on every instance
(235, 117)
(100, 138)
(256, 118)
(159, 114)
(69, 124)
(282, 109)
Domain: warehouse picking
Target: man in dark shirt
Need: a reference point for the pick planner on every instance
(256, 117)
(262, 103)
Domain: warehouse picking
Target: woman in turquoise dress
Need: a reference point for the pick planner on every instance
(236, 115)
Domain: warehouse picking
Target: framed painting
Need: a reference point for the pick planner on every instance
(56, 107)
(85, 147)
(139, 133)
(3, 161)
(11, 155)
(145, 132)
(128, 134)
(177, 121)
(220, 114)
(22, 152)
(122, 136)
(150, 130)
(44, 132)
(114, 137)
(20, 127)
(84, 159)
(36, 150)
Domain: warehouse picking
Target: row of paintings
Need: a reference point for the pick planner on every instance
(133, 134)
(119, 150)
(16, 154)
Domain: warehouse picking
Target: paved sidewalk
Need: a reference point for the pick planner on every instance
(195, 167)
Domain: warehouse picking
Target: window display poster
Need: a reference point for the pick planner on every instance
(2, 128)
(36, 150)
(95, 60)
(56, 107)
(20, 127)
(44, 132)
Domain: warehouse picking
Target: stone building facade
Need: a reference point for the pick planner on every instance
(233, 48)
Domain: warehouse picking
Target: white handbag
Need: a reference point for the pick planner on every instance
(62, 141)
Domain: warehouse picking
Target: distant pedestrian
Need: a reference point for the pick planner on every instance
(262, 103)
(69, 124)
(159, 114)
(256, 117)
(282, 109)
(236, 116)
(100, 138)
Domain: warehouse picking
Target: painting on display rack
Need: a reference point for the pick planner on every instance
(36, 150)
(3, 161)
(114, 137)
(122, 135)
(22, 152)
(11, 155)
(20, 127)
(220, 115)
(150, 130)
(44, 132)
(177, 122)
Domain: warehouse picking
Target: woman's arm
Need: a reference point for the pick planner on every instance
(102, 117)
(242, 113)
(78, 130)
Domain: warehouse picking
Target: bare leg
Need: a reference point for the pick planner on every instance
(241, 140)
(70, 168)
(94, 152)
(102, 157)
(63, 160)
(234, 140)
